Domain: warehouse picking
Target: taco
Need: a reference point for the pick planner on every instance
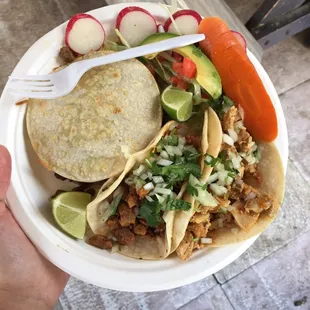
(135, 215)
(88, 135)
(246, 181)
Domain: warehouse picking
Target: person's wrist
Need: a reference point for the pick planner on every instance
(18, 300)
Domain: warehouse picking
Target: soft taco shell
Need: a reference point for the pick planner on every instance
(272, 184)
(182, 218)
(144, 247)
(87, 136)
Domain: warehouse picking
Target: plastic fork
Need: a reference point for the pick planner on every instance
(61, 83)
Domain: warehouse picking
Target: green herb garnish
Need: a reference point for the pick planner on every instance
(193, 191)
(177, 204)
(150, 211)
(178, 173)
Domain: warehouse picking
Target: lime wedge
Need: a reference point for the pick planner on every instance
(69, 210)
(177, 103)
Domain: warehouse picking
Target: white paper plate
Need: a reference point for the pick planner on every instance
(32, 185)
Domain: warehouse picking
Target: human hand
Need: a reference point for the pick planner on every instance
(27, 279)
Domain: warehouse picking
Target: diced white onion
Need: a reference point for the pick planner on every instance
(129, 181)
(164, 154)
(233, 134)
(236, 162)
(158, 179)
(219, 167)
(143, 176)
(182, 141)
(162, 185)
(164, 191)
(161, 199)
(209, 159)
(227, 139)
(229, 180)
(149, 186)
(151, 193)
(149, 174)
(173, 150)
(139, 170)
(238, 125)
(150, 199)
(251, 196)
(218, 190)
(115, 249)
(222, 175)
(213, 177)
(164, 162)
(206, 240)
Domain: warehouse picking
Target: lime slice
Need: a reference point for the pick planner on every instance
(69, 210)
(177, 103)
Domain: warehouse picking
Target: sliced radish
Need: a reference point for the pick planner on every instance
(160, 28)
(84, 33)
(240, 38)
(135, 24)
(187, 22)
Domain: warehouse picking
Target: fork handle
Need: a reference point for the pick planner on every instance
(180, 41)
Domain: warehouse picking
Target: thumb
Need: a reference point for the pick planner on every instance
(5, 171)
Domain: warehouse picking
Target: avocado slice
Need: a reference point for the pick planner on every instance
(207, 75)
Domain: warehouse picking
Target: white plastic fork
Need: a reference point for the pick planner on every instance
(61, 83)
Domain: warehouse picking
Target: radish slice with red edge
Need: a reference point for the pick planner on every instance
(187, 22)
(135, 24)
(84, 33)
(240, 38)
(160, 28)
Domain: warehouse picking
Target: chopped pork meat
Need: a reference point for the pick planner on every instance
(244, 143)
(142, 193)
(132, 197)
(113, 222)
(100, 242)
(123, 235)
(140, 229)
(186, 247)
(258, 204)
(201, 218)
(229, 118)
(127, 215)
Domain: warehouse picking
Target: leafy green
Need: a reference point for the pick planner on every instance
(178, 173)
(177, 204)
(150, 211)
(211, 160)
(193, 191)
(220, 105)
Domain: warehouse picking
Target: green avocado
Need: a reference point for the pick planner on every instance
(207, 75)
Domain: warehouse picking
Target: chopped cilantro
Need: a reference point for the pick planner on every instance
(227, 102)
(205, 186)
(211, 160)
(156, 170)
(220, 104)
(150, 211)
(177, 204)
(191, 157)
(178, 173)
(193, 191)
(197, 51)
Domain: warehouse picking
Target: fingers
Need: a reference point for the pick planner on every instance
(5, 171)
